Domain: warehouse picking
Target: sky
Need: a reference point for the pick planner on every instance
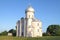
(48, 11)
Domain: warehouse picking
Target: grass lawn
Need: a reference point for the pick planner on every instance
(29, 38)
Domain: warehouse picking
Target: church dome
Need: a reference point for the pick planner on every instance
(30, 9)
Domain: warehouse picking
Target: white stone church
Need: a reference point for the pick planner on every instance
(29, 26)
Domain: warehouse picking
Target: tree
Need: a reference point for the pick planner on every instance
(53, 30)
(13, 32)
(4, 33)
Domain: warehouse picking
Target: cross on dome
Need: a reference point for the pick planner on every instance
(30, 9)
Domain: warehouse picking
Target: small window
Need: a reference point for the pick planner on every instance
(40, 27)
(29, 26)
(32, 15)
(38, 24)
(29, 16)
(38, 30)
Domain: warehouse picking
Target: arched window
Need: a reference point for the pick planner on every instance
(29, 16)
(37, 24)
(38, 30)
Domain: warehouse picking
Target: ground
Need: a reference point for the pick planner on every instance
(29, 38)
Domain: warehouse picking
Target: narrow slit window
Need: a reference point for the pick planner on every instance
(29, 16)
(38, 24)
